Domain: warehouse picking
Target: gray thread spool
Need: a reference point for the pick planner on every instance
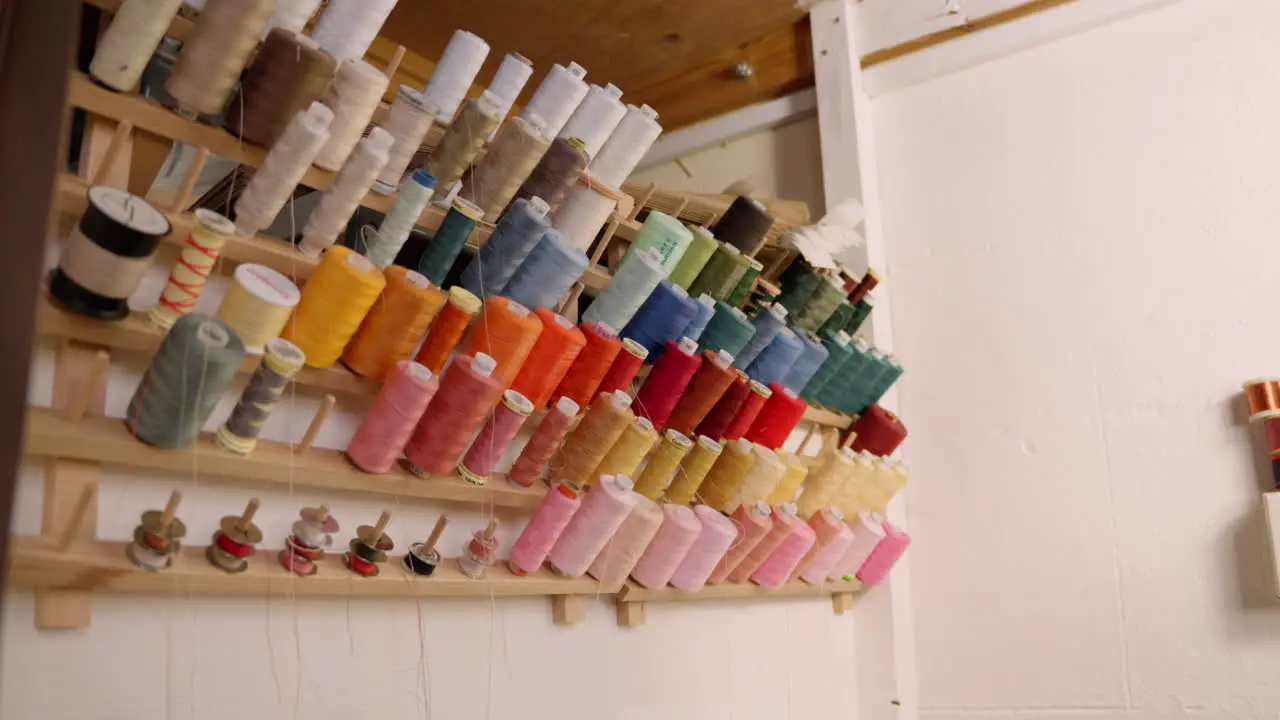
(181, 387)
(546, 275)
(558, 170)
(506, 249)
(634, 281)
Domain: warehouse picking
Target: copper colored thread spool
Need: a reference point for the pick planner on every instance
(1263, 396)
(448, 328)
(586, 446)
(289, 73)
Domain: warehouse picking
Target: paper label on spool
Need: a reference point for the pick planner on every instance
(417, 280)
(567, 407)
(644, 424)
(268, 285)
(621, 400)
(420, 372)
(634, 348)
(517, 309)
(212, 334)
(679, 439)
(359, 262)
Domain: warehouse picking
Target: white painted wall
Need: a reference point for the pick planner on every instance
(1081, 248)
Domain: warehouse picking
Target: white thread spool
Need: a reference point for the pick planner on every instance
(311, 533)
(583, 212)
(455, 72)
(257, 305)
(342, 198)
(627, 146)
(282, 169)
(558, 96)
(129, 42)
(353, 96)
(347, 28)
(415, 192)
(148, 558)
(507, 83)
(596, 117)
(292, 15)
(408, 121)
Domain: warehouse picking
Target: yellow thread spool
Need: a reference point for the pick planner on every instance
(334, 302)
(792, 479)
(722, 482)
(859, 491)
(625, 456)
(825, 485)
(258, 305)
(588, 443)
(760, 481)
(191, 270)
(663, 465)
(693, 470)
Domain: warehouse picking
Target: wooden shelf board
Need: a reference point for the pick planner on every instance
(104, 567)
(827, 418)
(272, 464)
(728, 590)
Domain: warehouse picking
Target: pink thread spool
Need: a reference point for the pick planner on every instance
(777, 568)
(784, 523)
(386, 428)
(534, 544)
(680, 528)
(713, 542)
(885, 555)
(753, 522)
(495, 437)
(620, 555)
(543, 444)
(826, 526)
(467, 392)
(868, 531)
(602, 513)
(815, 568)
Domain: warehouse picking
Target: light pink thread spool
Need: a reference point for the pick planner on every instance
(495, 437)
(603, 512)
(822, 563)
(680, 528)
(718, 532)
(826, 524)
(753, 521)
(534, 544)
(614, 563)
(784, 522)
(387, 426)
(885, 555)
(868, 531)
(777, 568)
(544, 443)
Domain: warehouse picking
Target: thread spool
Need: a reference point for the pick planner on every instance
(547, 274)
(881, 384)
(799, 283)
(408, 121)
(447, 244)
(779, 356)
(825, 484)
(556, 172)
(726, 475)
(193, 367)
(312, 533)
(792, 479)
(706, 308)
(464, 140)
(334, 302)
(214, 52)
(467, 392)
(586, 208)
(630, 449)
(600, 516)
(728, 330)
(292, 15)
(281, 361)
(838, 319)
(533, 546)
(776, 570)
(879, 432)
(661, 319)
(760, 481)
(635, 279)
(395, 325)
(826, 526)
(693, 471)
(702, 245)
(627, 145)
(604, 422)
(784, 525)
(815, 568)
(354, 94)
(495, 437)
(767, 326)
(347, 28)
(448, 328)
(668, 381)
(107, 253)
(838, 352)
(868, 531)
(191, 270)
(543, 443)
(708, 384)
(707, 550)
(744, 225)
(625, 367)
(726, 408)
(156, 541)
(623, 551)
(506, 332)
(384, 244)
(885, 555)
(289, 73)
(826, 298)
(258, 304)
(864, 286)
(665, 235)
(746, 284)
(455, 73)
(506, 249)
(858, 361)
(369, 548)
(553, 354)
(748, 412)
(721, 273)
(515, 152)
(595, 118)
(662, 467)
(583, 380)
(812, 355)
(557, 96)
(860, 313)
(858, 492)
(282, 169)
(126, 47)
(234, 541)
(423, 558)
(349, 188)
(753, 522)
(387, 426)
(675, 537)
(508, 81)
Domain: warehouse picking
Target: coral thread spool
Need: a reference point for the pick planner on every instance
(664, 386)
(828, 527)
(726, 408)
(754, 521)
(662, 466)
(620, 555)
(707, 550)
(495, 437)
(467, 392)
(680, 528)
(505, 331)
(604, 422)
(868, 531)
(784, 524)
(693, 471)
(479, 554)
(385, 429)
(394, 327)
(778, 417)
(448, 328)
(722, 482)
(544, 443)
(708, 385)
(600, 516)
(778, 567)
(545, 527)
(624, 367)
(553, 354)
(583, 379)
(885, 555)
(748, 412)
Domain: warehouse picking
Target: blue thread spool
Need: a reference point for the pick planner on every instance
(546, 275)
(768, 324)
(775, 361)
(511, 243)
(706, 308)
(806, 366)
(666, 313)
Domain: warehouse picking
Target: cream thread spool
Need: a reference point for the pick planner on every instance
(347, 28)
(282, 169)
(584, 212)
(453, 75)
(408, 121)
(191, 270)
(354, 94)
(508, 81)
(127, 46)
(257, 305)
(340, 201)
(558, 96)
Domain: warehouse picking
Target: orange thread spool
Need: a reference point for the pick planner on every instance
(394, 326)
(557, 347)
(597, 356)
(505, 331)
(448, 329)
(705, 389)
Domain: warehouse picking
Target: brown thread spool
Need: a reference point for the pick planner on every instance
(290, 73)
(713, 377)
(218, 48)
(1263, 395)
(557, 172)
(595, 435)
(463, 140)
(516, 150)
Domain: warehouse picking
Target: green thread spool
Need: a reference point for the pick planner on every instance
(860, 313)
(664, 234)
(839, 349)
(728, 330)
(838, 320)
(746, 283)
(701, 247)
(877, 386)
(721, 273)
(798, 285)
(446, 245)
(856, 380)
(831, 393)
(824, 301)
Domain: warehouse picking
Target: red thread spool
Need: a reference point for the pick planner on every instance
(467, 391)
(496, 436)
(584, 376)
(543, 444)
(708, 385)
(777, 419)
(231, 547)
(360, 566)
(667, 382)
(505, 331)
(726, 408)
(747, 413)
(880, 432)
(552, 356)
(624, 367)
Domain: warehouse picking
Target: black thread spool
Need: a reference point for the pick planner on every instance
(422, 558)
(107, 254)
(744, 225)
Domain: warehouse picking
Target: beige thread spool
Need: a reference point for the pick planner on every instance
(282, 170)
(588, 443)
(258, 305)
(410, 117)
(463, 141)
(792, 479)
(353, 97)
(225, 35)
(516, 150)
(726, 476)
(191, 270)
(340, 201)
(760, 481)
(127, 46)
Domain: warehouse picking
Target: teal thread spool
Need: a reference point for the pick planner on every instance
(858, 385)
(746, 283)
(728, 330)
(878, 385)
(445, 246)
(665, 235)
(721, 274)
(839, 348)
(833, 392)
(701, 247)
(860, 313)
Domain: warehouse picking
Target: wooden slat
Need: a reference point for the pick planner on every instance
(631, 592)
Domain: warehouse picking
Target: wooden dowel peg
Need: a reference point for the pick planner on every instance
(570, 302)
(680, 208)
(189, 180)
(246, 517)
(605, 240)
(380, 528)
(393, 64)
(643, 200)
(170, 509)
(848, 440)
(313, 429)
(490, 531)
(813, 429)
(436, 532)
(114, 149)
(76, 521)
(322, 514)
(89, 385)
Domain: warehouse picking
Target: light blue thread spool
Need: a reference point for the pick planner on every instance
(768, 323)
(514, 238)
(634, 281)
(546, 275)
(806, 366)
(773, 363)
